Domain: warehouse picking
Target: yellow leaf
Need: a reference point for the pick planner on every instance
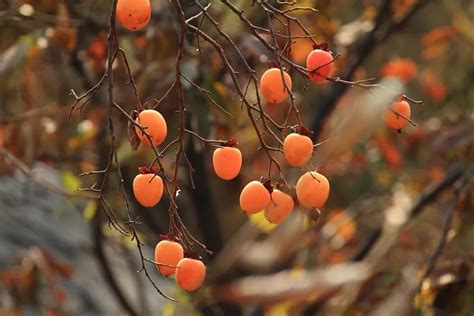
(221, 89)
(425, 298)
(281, 309)
(168, 309)
(259, 220)
(129, 243)
(89, 211)
(70, 180)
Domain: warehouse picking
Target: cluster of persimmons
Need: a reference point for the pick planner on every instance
(312, 188)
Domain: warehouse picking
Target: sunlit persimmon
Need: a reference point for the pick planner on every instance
(397, 115)
(272, 87)
(297, 149)
(190, 274)
(155, 126)
(312, 190)
(169, 253)
(227, 162)
(321, 62)
(280, 206)
(133, 14)
(403, 68)
(148, 189)
(254, 197)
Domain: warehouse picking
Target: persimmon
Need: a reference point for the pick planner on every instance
(403, 68)
(297, 149)
(312, 189)
(154, 124)
(397, 115)
(272, 86)
(148, 189)
(169, 253)
(279, 208)
(321, 62)
(254, 197)
(227, 162)
(133, 14)
(190, 274)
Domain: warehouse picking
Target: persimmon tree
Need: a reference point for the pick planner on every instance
(274, 87)
(262, 87)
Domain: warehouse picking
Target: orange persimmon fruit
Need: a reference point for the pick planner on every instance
(272, 86)
(397, 115)
(133, 15)
(403, 68)
(312, 189)
(148, 189)
(227, 162)
(254, 197)
(297, 149)
(154, 124)
(190, 274)
(321, 62)
(279, 208)
(169, 253)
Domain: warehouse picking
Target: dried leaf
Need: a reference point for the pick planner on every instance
(132, 134)
(389, 151)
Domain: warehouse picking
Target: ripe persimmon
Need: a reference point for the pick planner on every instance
(190, 274)
(312, 189)
(155, 126)
(403, 68)
(297, 149)
(321, 62)
(254, 197)
(397, 115)
(272, 87)
(170, 253)
(227, 162)
(133, 14)
(148, 189)
(279, 208)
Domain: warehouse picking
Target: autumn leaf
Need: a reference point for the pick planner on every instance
(132, 134)
(389, 151)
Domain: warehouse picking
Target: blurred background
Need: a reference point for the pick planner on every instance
(395, 238)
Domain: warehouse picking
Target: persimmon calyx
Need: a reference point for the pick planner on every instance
(267, 183)
(231, 142)
(322, 46)
(146, 170)
(304, 131)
